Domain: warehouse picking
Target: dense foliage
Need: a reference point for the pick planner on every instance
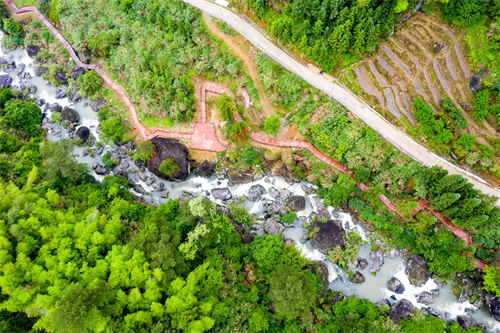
(153, 48)
(328, 31)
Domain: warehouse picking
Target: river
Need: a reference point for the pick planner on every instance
(374, 288)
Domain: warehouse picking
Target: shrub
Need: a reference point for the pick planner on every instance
(481, 105)
(467, 141)
(47, 36)
(455, 113)
(145, 150)
(112, 130)
(55, 117)
(106, 160)
(12, 28)
(226, 107)
(169, 167)
(36, 24)
(289, 218)
(90, 83)
(272, 125)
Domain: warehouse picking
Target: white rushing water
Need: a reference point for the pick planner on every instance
(374, 288)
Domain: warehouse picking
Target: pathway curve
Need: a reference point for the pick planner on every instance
(341, 94)
(204, 135)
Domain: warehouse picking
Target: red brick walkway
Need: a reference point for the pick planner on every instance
(204, 136)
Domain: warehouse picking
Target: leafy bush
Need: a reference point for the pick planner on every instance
(106, 160)
(240, 214)
(47, 36)
(90, 83)
(55, 117)
(481, 105)
(23, 116)
(455, 113)
(36, 24)
(169, 167)
(465, 13)
(272, 125)
(112, 131)
(251, 156)
(289, 218)
(226, 108)
(492, 280)
(467, 141)
(145, 150)
(12, 28)
(8, 143)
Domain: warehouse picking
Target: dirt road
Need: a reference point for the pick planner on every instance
(339, 93)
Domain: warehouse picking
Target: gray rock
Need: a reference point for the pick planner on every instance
(401, 310)
(54, 107)
(98, 104)
(395, 285)
(101, 170)
(357, 278)
(323, 216)
(186, 196)
(142, 176)
(304, 238)
(296, 203)
(240, 177)
(94, 166)
(283, 211)
(76, 98)
(150, 181)
(221, 193)
(125, 165)
(170, 149)
(495, 308)
(328, 235)
(308, 189)
(83, 133)
(275, 208)
(466, 322)
(60, 93)
(61, 76)
(260, 232)
(26, 84)
(393, 253)
(57, 130)
(122, 173)
(464, 296)
(39, 71)
(418, 271)
(256, 192)
(32, 50)
(139, 189)
(159, 186)
(204, 169)
(19, 68)
(289, 242)
(426, 298)
(475, 83)
(285, 194)
(5, 81)
(164, 193)
(377, 259)
(69, 116)
(273, 228)
(321, 206)
(77, 72)
(47, 125)
(362, 264)
(9, 68)
(274, 192)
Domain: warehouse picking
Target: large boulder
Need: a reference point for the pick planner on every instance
(273, 228)
(401, 310)
(466, 322)
(495, 308)
(54, 107)
(418, 271)
(475, 84)
(19, 68)
(426, 298)
(39, 71)
(395, 285)
(357, 278)
(69, 116)
(296, 203)
(26, 84)
(222, 193)
(204, 169)
(240, 177)
(77, 72)
(328, 235)
(98, 104)
(377, 258)
(83, 133)
(255, 192)
(61, 93)
(5, 81)
(61, 76)
(32, 50)
(177, 151)
(277, 208)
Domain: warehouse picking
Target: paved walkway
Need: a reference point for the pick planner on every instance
(340, 93)
(204, 136)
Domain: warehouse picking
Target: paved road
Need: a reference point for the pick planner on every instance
(354, 104)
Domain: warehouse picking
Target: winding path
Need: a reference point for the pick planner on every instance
(204, 135)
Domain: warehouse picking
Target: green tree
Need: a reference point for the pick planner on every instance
(12, 28)
(292, 293)
(226, 107)
(112, 131)
(23, 116)
(401, 6)
(90, 83)
(492, 280)
(272, 125)
(169, 167)
(61, 166)
(266, 252)
(145, 150)
(47, 36)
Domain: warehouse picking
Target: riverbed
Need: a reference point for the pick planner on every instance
(374, 288)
